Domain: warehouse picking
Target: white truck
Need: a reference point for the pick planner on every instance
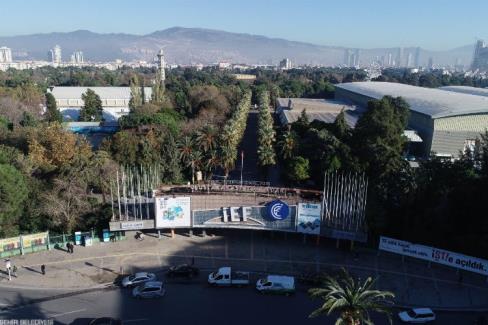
(278, 284)
(224, 276)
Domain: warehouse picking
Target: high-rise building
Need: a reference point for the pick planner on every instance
(390, 59)
(347, 57)
(161, 66)
(285, 64)
(5, 55)
(356, 58)
(417, 57)
(399, 58)
(409, 60)
(480, 58)
(77, 57)
(431, 63)
(55, 54)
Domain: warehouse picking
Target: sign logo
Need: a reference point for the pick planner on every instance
(277, 210)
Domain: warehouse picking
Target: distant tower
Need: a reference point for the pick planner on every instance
(431, 63)
(55, 55)
(161, 66)
(399, 60)
(5, 55)
(417, 57)
(409, 60)
(356, 58)
(480, 58)
(390, 59)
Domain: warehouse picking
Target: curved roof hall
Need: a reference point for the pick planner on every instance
(435, 103)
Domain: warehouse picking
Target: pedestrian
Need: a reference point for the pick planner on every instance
(43, 269)
(67, 247)
(72, 246)
(14, 271)
(8, 266)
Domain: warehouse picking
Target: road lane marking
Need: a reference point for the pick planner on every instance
(67, 313)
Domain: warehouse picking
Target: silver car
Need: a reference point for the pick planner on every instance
(151, 289)
(137, 279)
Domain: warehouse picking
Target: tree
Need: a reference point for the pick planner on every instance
(288, 144)
(378, 137)
(135, 93)
(52, 112)
(65, 203)
(340, 127)
(298, 169)
(354, 300)
(266, 132)
(28, 120)
(92, 109)
(13, 193)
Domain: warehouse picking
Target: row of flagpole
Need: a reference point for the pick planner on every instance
(344, 200)
(133, 188)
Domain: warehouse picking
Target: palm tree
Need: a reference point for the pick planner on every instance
(207, 138)
(352, 299)
(189, 154)
(287, 144)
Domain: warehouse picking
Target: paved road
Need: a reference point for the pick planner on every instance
(191, 303)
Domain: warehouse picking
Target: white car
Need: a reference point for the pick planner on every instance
(138, 278)
(151, 289)
(417, 315)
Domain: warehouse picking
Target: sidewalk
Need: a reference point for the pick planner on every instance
(412, 281)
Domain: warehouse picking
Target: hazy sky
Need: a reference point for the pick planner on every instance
(431, 24)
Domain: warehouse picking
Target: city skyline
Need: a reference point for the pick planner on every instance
(409, 23)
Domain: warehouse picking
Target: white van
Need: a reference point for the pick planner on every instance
(278, 284)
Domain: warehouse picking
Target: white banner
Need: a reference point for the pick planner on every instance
(309, 215)
(436, 255)
(173, 212)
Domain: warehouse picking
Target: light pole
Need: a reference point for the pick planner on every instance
(242, 163)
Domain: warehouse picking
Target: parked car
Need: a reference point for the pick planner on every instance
(137, 279)
(183, 270)
(151, 289)
(278, 284)
(224, 276)
(417, 315)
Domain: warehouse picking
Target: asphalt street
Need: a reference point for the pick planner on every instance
(184, 303)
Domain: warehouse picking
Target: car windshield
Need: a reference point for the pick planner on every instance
(132, 277)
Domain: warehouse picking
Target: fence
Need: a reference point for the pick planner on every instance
(25, 244)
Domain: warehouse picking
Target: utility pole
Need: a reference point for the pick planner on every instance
(242, 163)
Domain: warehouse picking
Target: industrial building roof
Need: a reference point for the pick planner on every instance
(432, 102)
(467, 90)
(325, 110)
(103, 92)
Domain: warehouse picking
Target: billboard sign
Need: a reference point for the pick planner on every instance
(309, 218)
(436, 255)
(277, 210)
(8, 244)
(173, 212)
(34, 240)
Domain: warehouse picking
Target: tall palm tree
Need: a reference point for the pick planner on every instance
(354, 300)
(287, 144)
(207, 138)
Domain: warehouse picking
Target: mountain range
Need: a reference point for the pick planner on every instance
(206, 46)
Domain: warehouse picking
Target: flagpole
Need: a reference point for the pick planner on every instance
(242, 163)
